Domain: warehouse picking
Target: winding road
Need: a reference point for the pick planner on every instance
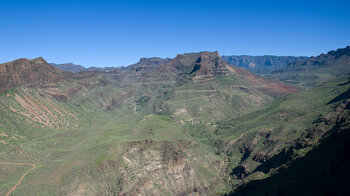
(24, 175)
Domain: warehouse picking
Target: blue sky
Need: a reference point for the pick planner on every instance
(119, 33)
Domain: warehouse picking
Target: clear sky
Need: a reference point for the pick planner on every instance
(119, 33)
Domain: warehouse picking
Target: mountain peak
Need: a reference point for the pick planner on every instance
(25, 72)
(39, 60)
(208, 63)
(202, 63)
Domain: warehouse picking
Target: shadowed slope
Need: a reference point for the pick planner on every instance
(324, 170)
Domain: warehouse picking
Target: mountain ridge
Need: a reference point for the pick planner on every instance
(79, 68)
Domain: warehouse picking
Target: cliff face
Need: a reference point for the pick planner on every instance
(203, 63)
(24, 72)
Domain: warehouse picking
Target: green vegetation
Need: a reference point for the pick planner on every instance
(323, 170)
(161, 131)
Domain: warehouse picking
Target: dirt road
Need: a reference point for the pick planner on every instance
(24, 175)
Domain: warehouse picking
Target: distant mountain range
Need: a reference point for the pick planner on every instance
(305, 72)
(78, 68)
(145, 64)
(256, 64)
(315, 70)
(69, 67)
(261, 64)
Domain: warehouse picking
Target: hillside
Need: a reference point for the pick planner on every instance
(262, 65)
(129, 130)
(192, 125)
(315, 70)
(262, 143)
(324, 170)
